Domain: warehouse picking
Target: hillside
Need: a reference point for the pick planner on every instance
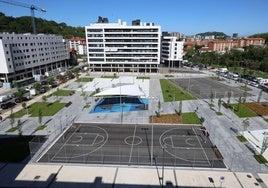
(24, 25)
(218, 35)
(261, 35)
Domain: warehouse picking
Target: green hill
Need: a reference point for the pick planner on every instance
(261, 35)
(24, 25)
(218, 35)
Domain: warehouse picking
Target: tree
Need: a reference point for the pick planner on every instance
(40, 116)
(20, 93)
(37, 86)
(24, 106)
(158, 108)
(239, 103)
(219, 104)
(264, 143)
(245, 93)
(180, 107)
(245, 124)
(211, 97)
(229, 94)
(12, 118)
(51, 81)
(259, 96)
(19, 125)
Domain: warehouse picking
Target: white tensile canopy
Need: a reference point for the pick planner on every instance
(124, 90)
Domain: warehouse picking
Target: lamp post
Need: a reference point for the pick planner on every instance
(163, 163)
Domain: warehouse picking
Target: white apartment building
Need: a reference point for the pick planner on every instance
(79, 45)
(24, 56)
(118, 47)
(172, 51)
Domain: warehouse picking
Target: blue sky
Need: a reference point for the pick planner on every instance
(189, 17)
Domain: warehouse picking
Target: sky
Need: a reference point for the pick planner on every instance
(245, 17)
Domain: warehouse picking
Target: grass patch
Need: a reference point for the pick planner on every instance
(211, 105)
(47, 109)
(243, 111)
(260, 159)
(219, 113)
(190, 118)
(12, 129)
(63, 92)
(241, 138)
(243, 88)
(14, 149)
(110, 76)
(84, 79)
(143, 77)
(40, 127)
(172, 92)
(20, 113)
(87, 106)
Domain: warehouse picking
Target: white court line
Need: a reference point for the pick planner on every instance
(201, 146)
(132, 145)
(52, 159)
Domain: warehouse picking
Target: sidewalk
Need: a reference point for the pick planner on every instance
(38, 175)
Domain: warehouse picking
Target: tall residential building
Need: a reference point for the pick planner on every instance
(78, 44)
(118, 47)
(172, 51)
(24, 56)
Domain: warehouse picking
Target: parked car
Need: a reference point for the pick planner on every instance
(19, 100)
(7, 105)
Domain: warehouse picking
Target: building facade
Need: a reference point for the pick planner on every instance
(118, 47)
(24, 56)
(78, 44)
(171, 51)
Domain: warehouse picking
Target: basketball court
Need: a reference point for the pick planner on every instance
(202, 87)
(132, 144)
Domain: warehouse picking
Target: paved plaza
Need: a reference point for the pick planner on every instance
(242, 170)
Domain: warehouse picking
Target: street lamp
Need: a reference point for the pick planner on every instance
(164, 146)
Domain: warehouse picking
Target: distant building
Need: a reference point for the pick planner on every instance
(118, 47)
(235, 35)
(172, 51)
(222, 45)
(78, 44)
(244, 42)
(26, 56)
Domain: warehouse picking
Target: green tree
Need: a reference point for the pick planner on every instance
(239, 103)
(40, 116)
(158, 108)
(51, 80)
(245, 124)
(11, 118)
(37, 86)
(180, 107)
(259, 96)
(19, 125)
(229, 95)
(24, 106)
(219, 104)
(19, 94)
(211, 97)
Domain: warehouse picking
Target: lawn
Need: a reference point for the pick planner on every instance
(260, 159)
(20, 113)
(243, 111)
(14, 149)
(84, 79)
(63, 92)
(190, 118)
(47, 109)
(241, 138)
(171, 92)
(143, 77)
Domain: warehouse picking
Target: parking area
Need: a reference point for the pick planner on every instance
(132, 144)
(202, 87)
